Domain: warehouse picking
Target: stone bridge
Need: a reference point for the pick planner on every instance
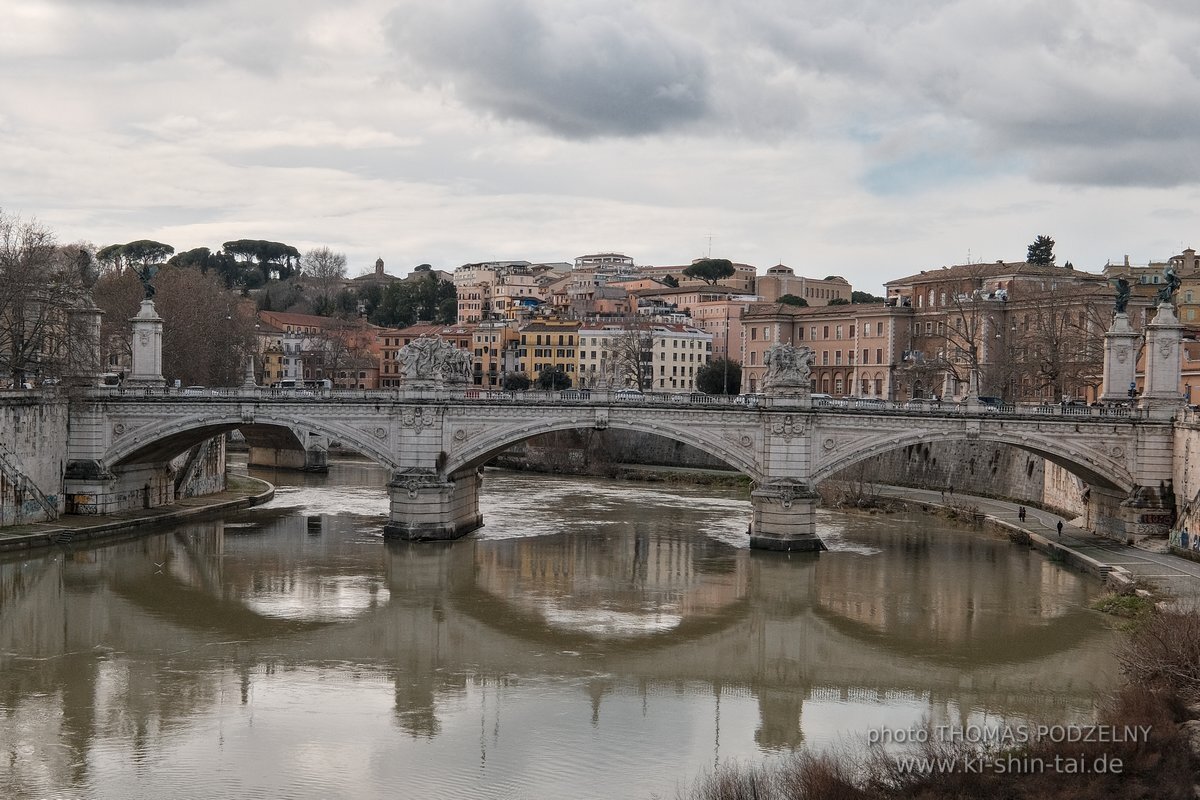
(435, 441)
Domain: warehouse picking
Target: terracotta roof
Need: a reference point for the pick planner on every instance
(994, 270)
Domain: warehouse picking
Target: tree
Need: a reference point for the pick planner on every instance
(207, 334)
(671, 281)
(793, 300)
(425, 298)
(553, 379)
(719, 376)
(146, 253)
(39, 282)
(864, 297)
(629, 353)
(196, 258)
(274, 259)
(516, 382)
(839, 301)
(324, 269)
(710, 270)
(1041, 252)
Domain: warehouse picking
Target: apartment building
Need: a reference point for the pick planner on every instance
(857, 349)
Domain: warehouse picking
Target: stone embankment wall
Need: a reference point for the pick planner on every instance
(33, 436)
(596, 452)
(971, 468)
(1186, 472)
(981, 468)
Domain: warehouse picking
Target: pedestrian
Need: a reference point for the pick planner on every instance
(950, 489)
(943, 495)
(1060, 527)
(1021, 513)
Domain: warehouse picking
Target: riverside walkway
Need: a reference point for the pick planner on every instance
(242, 492)
(1173, 575)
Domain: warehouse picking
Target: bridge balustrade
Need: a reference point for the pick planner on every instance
(611, 397)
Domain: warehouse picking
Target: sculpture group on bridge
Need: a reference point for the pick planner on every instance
(788, 367)
(432, 360)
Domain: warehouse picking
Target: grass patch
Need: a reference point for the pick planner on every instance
(1124, 606)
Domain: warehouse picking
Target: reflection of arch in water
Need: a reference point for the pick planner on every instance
(709, 598)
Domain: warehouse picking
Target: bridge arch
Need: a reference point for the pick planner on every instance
(164, 440)
(478, 451)
(1090, 465)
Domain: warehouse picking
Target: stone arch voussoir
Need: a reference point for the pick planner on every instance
(1081, 460)
(479, 450)
(139, 439)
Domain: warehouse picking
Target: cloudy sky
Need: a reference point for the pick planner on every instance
(868, 138)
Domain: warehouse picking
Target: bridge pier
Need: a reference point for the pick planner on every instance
(784, 517)
(427, 506)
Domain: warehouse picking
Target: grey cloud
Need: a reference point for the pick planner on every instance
(579, 70)
(1105, 92)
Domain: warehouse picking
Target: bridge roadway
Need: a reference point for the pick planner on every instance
(122, 442)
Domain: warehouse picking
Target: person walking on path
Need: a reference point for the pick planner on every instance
(1060, 527)
(950, 489)
(1021, 513)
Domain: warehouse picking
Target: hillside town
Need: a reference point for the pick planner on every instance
(1030, 330)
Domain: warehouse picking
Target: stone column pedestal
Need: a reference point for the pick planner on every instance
(784, 517)
(147, 348)
(1120, 360)
(1164, 362)
(427, 507)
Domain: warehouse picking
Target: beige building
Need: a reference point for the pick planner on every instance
(742, 280)
(781, 280)
(668, 355)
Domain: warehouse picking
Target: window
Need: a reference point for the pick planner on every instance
(878, 355)
(753, 333)
(866, 356)
(825, 332)
(837, 358)
(825, 358)
(838, 331)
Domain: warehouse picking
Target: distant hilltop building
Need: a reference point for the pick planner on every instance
(781, 280)
(376, 277)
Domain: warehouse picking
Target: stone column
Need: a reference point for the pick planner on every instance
(1120, 360)
(784, 517)
(147, 348)
(426, 506)
(1164, 362)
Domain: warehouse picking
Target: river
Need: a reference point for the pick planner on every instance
(596, 639)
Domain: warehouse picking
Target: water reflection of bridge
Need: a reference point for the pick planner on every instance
(109, 628)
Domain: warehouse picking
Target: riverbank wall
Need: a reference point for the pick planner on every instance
(32, 456)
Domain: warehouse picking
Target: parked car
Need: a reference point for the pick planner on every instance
(749, 399)
(196, 391)
(629, 395)
(822, 400)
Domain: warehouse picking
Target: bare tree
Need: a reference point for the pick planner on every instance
(629, 353)
(39, 283)
(324, 269)
(207, 332)
(1060, 343)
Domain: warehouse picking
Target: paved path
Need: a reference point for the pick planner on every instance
(77, 527)
(1177, 576)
